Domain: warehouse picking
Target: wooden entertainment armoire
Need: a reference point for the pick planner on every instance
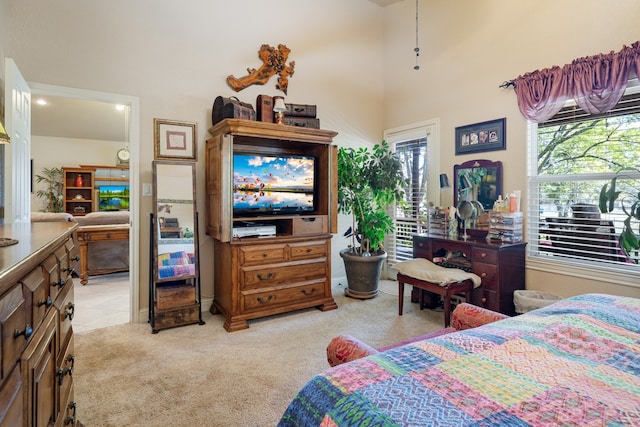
(261, 276)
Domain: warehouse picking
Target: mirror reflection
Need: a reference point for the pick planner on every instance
(176, 242)
(477, 181)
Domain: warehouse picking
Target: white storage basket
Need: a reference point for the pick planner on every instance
(530, 300)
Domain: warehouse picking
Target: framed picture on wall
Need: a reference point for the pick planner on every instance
(485, 136)
(174, 140)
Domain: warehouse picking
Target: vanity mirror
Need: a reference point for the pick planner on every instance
(477, 180)
(174, 270)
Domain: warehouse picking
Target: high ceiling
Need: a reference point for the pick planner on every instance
(76, 118)
(83, 119)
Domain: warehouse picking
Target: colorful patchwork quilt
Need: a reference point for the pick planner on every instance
(573, 363)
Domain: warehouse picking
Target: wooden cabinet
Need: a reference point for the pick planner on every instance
(501, 266)
(81, 189)
(36, 310)
(289, 269)
(78, 190)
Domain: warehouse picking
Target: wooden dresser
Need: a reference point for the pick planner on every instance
(291, 268)
(36, 310)
(501, 266)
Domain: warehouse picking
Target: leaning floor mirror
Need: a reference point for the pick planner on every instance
(174, 291)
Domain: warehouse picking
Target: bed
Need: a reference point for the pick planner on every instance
(575, 363)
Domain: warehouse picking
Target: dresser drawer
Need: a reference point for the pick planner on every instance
(485, 255)
(15, 330)
(422, 248)
(488, 273)
(12, 403)
(52, 275)
(63, 257)
(313, 225)
(487, 299)
(257, 277)
(276, 297)
(96, 236)
(264, 254)
(308, 250)
(36, 293)
(66, 309)
(64, 371)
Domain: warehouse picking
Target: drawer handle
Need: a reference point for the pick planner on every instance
(267, 277)
(71, 419)
(69, 270)
(483, 274)
(307, 293)
(483, 255)
(59, 283)
(76, 258)
(309, 250)
(484, 300)
(108, 235)
(264, 301)
(264, 255)
(61, 372)
(48, 302)
(71, 310)
(28, 331)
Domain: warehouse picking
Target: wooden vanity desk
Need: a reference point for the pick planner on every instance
(501, 266)
(36, 310)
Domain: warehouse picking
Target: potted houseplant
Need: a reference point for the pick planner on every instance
(369, 181)
(629, 239)
(52, 194)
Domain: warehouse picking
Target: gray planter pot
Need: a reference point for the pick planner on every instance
(363, 274)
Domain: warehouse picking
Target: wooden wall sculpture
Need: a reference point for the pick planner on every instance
(273, 61)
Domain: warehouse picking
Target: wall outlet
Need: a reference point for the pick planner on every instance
(147, 189)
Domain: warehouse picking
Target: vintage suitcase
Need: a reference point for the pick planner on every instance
(303, 122)
(231, 108)
(264, 108)
(300, 110)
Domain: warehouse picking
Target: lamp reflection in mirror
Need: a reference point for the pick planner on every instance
(464, 188)
(279, 108)
(444, 181)
(4, 137)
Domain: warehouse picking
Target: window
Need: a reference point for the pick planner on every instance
(572, 155)
(416, 146)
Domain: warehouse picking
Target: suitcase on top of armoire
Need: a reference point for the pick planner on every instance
(231, 108)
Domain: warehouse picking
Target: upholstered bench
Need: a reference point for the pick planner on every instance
(345, 348)
(427, 276)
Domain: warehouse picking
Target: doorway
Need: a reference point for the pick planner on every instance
(132, 129)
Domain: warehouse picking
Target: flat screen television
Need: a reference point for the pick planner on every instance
(273, 184)
(113, 198)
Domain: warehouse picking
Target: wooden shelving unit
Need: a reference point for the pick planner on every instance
(78, 191)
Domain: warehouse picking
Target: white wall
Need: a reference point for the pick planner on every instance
(468, 48)
(52, 152)
(175, 57)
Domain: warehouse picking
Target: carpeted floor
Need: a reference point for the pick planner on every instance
(204, 376)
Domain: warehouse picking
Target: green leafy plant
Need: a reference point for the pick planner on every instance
(369, 181)
(52, 195)
(630, 205)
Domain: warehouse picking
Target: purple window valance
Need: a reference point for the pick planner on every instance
(596, 83)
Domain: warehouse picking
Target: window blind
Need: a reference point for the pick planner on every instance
(410, 216)
(576, 154)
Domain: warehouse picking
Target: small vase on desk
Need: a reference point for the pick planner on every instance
(79, 181)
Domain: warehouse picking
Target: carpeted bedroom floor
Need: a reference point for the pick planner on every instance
(204, 376)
